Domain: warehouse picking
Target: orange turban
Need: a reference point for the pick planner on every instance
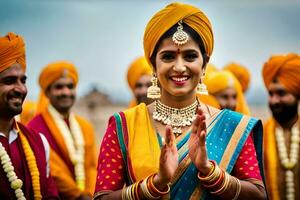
(285, 68)
(12, 50)
(51, 73)
(219, 80)
(241, 73)
(54, 71)
(162, 21)
(138, 68)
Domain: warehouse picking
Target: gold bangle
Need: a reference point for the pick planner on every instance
(224, 185)
(124, 192)
(212, 177)
(238, 189)
(155, 190)
(146, 191)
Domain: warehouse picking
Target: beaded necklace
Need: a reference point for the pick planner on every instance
(74, 142)
(288, 162)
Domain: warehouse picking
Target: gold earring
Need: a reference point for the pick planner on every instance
(153, 91)
(201, 87)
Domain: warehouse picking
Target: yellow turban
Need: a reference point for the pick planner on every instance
(219, 80)
(28, 111)
(51, 73)
(162, 21)
(209, 100)
(241, 73)
(54, 71)
(285, 68)
(138, 68)
(12, 50)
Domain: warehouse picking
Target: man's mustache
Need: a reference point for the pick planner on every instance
(65, 97)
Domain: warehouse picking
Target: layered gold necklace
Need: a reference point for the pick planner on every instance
(288, 162)
(175, 117)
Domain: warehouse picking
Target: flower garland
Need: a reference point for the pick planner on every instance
(288, 162)
(15, 182)
(74, 141)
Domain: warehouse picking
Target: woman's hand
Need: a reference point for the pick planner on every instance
(168, 162)
(197, 148)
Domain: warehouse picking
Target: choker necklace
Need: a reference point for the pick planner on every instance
(175, 117)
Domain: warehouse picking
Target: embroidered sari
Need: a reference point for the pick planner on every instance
(139, 146)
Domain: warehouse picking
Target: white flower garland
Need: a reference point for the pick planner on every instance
(74, 141)
(15, 182)
(288, 162)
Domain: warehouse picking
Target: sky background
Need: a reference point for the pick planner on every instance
(103, 37)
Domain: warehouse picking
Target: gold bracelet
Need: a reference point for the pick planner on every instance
(238, 189)
(212, 177)
(155, 190)
(224, 185)
(146, 191)
(124, 192)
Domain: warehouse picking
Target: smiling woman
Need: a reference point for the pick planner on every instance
(178, 147)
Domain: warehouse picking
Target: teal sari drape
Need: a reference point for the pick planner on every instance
(221, 133)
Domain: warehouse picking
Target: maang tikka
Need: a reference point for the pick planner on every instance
(201, 87)
(180, 37)
(153, 91)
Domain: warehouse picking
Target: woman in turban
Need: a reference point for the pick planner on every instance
(241, 73)
(177, 147)
(227, 90)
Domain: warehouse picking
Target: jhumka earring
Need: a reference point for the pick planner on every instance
(153, 91)
(201, 87)
(180, 37)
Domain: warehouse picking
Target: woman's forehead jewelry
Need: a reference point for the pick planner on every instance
(180, 37)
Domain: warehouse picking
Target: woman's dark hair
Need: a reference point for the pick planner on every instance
(191, 32)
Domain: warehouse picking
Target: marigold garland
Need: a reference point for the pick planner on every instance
(32, 165)
(15, 182)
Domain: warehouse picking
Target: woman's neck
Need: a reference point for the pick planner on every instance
(178, 101)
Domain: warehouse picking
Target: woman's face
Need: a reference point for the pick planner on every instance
(178, 68)
(227, 98)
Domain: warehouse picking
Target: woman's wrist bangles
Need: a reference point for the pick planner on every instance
(218, 181)
(149, 191)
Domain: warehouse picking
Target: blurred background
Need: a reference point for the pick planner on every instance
(102, 37)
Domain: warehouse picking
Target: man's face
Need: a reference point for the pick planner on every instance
(140, 89)
(12, 91)
(61, 94)
(227, 98)
(282, 103)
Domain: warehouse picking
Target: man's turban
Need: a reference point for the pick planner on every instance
(286, 69)
(12, 50)
(138, 68)
(163, 20)
(56, 70)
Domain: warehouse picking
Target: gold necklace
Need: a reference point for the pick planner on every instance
(288, 162)
(175, 117)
